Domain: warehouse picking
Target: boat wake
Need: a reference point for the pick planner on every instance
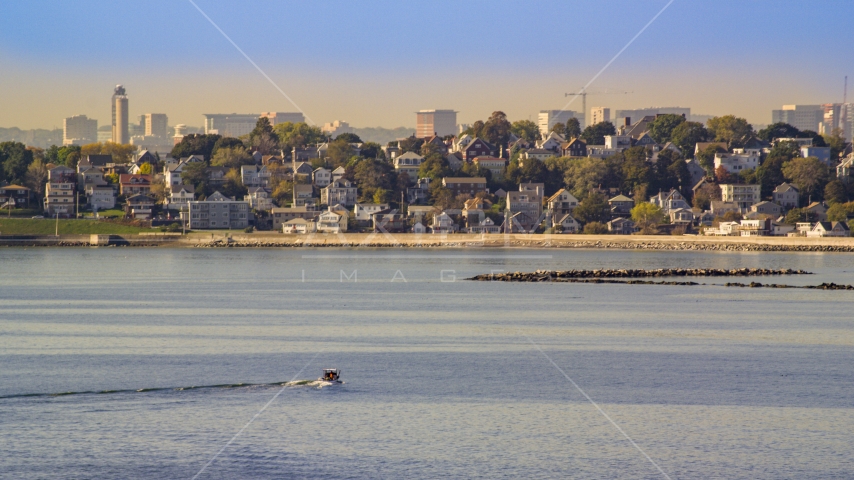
(296, 383)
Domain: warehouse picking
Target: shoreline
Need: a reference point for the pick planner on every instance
(408, 240)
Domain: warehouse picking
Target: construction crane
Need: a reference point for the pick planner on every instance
(583, 94)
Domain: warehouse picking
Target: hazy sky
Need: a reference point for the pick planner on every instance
(375, 63)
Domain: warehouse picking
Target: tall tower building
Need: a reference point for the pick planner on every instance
(435, 122)
(120, 116)
(599, 115)
(155, 125)
(802, 117)
(79, 130)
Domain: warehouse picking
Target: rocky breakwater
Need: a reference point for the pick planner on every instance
(566, 275)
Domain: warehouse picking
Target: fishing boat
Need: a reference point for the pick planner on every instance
(331, 375)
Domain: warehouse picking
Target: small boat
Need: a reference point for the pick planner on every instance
(331, 375)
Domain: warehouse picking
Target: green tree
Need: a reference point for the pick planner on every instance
(595, 228)
(595, 134)
(120, 153)
(794, 216)
(36, 177)
(194, 174)
(349, 138)
(663, 126)
(232, 157)
(637, 173)
(647, 215)
(671, 171)
(808, 174)
(15, 159)
(298, 135)
(839, 212)
(146, 169)
(496, 129)
(834, 192)
(594, 208)
(434, 167)
(778, 130)
(704, 196)
(195, 144)
(573, 129)
(836, 142)
(339, 152)
(560, 129)
(730, 129)
(526, 130)
(410, 144)
(232, 185)
(583, 175)
(706, 157)
(372, 150)
(372, 175)
(226, 142)
(687, 135)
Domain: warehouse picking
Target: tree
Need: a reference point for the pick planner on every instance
(146, 169)
(778, 130)
(339, 152)
(573, 128)
(60, 155)
(349, 138)
(159, 189)
(671, 171)
(496, 129)
(372, 175)
(834, 192)
(410, 144)
(722, 176)
(15, 159)
(583, 175)
(120, 153)
(594, 208)
(560, 129)
(434, 167)
(687, 135)
(808, 174)
(637, 173)
(233, 185)
(646, 215)
(526, 130)
(836, 142)
(283, 192)
(730, 129)
(706, 157)
(595, 228)
(36, 177)
(704, 196)
(595, 134)
(226, 142)
(195, 144)
(795, 215)
(232, 157)
(839, 212)
(194, 174)
(661, 129)
(297, 135)
(372, 150)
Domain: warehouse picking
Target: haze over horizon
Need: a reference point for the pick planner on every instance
(375, 65)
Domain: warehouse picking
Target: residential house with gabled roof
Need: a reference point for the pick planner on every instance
(180, 197)
(495, 165)
(98, 161)
(697, 172)
(621, 206)
(408, 163)
(574, 148)
(829, 229)
(565, 223)
(844, 169)
(700, 146)
(321, 177)
(285, 214)
(636, 129)
(338, 174)
(767, 208)
(477, 148)
(258, 199)
(17, 195)
(562, 203)
(303, 195)
(525, 207)
(455, 160)
(134, 184)
(442, 223)
(362, 211)
(332, 221)
(474, 211)
(681, 216)
(645, 140)
(461, 142)
(438, 142)
(465, 185)
(100, 198)
(303, 170)
(816, 212)
(216, 175)
(139, 206)
(552, 141)
(538, 154)
(621, 226)
(342, 191)
(255, 176)
(484, 226)
(743, 195)
(299, 226)
(669, 201)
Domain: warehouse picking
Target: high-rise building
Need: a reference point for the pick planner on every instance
(79, 130)
(435, 122)
(230, 124)
(599, 115)
(282, 117)
(155, 125)
(637, 114)
(333, 129)
(802, 117)
(548, 118)
(120, 116)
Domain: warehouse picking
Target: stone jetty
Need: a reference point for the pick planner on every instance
(562, 275)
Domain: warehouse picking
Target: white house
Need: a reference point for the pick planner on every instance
(742, 195)
(830, 229)
(566, 224)
(321, 177)
(671, 200)
(180, 197)
(736, 162)
(362, 211)
(442, 223)
(787, 196)
(408, 163)
(300, 226)
(259, 199)
(485, 226)
(101, 198)
(332, 222)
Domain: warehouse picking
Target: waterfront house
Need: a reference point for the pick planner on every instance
(562, 203)
(259, 199)
(130, 184)
(621, 206)
(485, 226)
(332, 221)
(830, 229)
(669, 201)
(442, 223)
(180, 197)
(362, 212)
(16, 195)
(621, 226)
(565, 224)
(218, 211)
(341, 191)
(299, 226)
(303, 195)
(816, 212)
(139, 206)
(284, 215)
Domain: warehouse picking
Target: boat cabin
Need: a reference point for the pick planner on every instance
(330, 374)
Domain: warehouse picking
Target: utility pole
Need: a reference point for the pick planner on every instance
(57, 224)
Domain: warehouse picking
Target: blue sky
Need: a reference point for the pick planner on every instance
(374, 63)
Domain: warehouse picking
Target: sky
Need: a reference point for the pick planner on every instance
(375, 63)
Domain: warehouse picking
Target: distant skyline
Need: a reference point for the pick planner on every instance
(376, 64)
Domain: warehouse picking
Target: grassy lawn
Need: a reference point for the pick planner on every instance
(30, 226)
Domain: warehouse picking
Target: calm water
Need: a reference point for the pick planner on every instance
(443, 378)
